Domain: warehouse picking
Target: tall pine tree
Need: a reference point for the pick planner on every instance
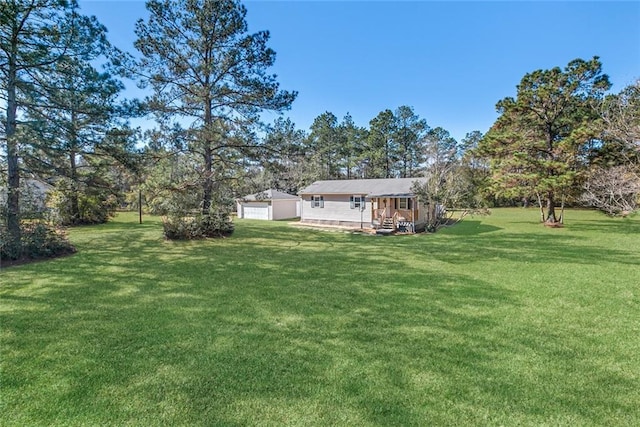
(537, 145)
(33, 37)
(210, 75)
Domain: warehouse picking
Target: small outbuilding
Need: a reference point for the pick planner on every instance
(268, 205)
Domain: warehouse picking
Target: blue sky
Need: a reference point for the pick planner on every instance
(451, 61)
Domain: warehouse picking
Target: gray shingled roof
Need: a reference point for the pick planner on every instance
(369, 187)
(269, 195)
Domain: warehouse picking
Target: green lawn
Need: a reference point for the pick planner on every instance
(496, 321)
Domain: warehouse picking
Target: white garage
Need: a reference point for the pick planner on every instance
(269, 205)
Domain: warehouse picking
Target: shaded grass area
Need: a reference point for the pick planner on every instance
(496, 321)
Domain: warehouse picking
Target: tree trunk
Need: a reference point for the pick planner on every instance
(75, 205)
(13, 172)
(551, 210)
(387, 172)
(540, 206)
(73, 172)
(207, 186)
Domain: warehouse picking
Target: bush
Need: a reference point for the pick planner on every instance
(198, 226)
(38, 240)
(95, 207)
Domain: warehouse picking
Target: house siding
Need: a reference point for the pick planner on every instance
(283, 209)
(336, 211)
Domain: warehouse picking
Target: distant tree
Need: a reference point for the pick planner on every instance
(352, 140)
(324, 143)
(614, 190)
(621, 117)
(208, 73)
(474, 169)
(612, 184)
(620, 141)
(410, 131)
(537, 145)
(382, 149)
(444, 185)
(469, 145)
(284, 158)
(440, 148)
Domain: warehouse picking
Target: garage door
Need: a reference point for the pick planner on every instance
(256, 212)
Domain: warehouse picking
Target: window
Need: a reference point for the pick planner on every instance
(317, 201)
(405, 203)
(357, 202)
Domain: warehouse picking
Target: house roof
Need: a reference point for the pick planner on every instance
(269, 195)
(396, 187)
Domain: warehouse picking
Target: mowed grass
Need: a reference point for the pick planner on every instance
(496, 321)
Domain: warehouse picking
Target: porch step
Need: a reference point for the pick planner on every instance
(388, 224)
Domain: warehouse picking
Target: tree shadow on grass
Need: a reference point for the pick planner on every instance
(296, 326)
(268, 333)
(614, 225)
(470, 228)
(490, 244)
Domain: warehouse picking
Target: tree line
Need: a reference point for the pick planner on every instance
(65, 120)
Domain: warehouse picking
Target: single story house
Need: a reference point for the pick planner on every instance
(364, 203)
(268, 205)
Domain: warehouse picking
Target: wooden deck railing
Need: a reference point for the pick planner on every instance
(397, 216)
(407, 214)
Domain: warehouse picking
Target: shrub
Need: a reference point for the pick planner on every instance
(94, 207)
(200, 226)
(38, 240)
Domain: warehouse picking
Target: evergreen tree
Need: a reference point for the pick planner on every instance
(33, 37)
(284, 157)
(325, 143)
(352, 138)
(440, 148)
(382, 148)
(537, 145)
(54, 101)
(208, 73)
(474, 170)
(410, 130)
(78, 133)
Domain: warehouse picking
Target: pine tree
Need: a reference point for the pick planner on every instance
(410, 131)
(537, 145)
(33, 37)
(382, 148)
(210, 75)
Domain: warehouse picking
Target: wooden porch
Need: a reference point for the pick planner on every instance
(395, 213)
